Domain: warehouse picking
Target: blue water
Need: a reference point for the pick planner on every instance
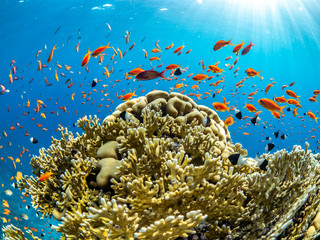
(285, 34)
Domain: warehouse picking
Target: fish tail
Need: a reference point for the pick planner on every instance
(281, 110)
(229, 42)
(162, 74)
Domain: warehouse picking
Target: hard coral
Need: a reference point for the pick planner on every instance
(158, 168)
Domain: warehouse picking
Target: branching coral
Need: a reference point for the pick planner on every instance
(158, 168)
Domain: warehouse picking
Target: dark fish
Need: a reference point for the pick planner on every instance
(107, 35)
(125, 116)
(69, 38)
(263, 165)
(276, 134)
(213, 95)
(177, 72)
(94, 82)
(247, 48)
(57, 30)
(28, 207)
(288, 109)
(268, 138)
(144, 38)
(149, 75)
(74, 124)
(269, 147)
(283, 136)
(206, 121)
(255, 119)
(33, 140)
(238, 114)
(234, 158)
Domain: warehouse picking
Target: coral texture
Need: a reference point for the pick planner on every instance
(158, 168)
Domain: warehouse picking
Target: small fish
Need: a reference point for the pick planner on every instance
(8, 192)
(269, 147)
(33, 140)
(206, 121)
(247, 48)
(255, 120)
(24, 216)
(238, 114)
(268, 138)
(283, 136)
(220, 44)
(45, 176)
(276, 134)
(125, 116)
(108, 25)
(51, 54)
(57, 30)
(179, 71)
(94, 82)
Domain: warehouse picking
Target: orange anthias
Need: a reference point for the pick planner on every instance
(128, 96)
(86, 58)
(135, 72)
(220, 107)
(229, 121)
(237, 48)
(252, 73)
(312, 116)
(172, 66)
(199, 77)
(45, 176)
(220, 44)
(250, 107)
(215, 69)
(292, 94)
(270, 105)
(100, 50)
(51, 54)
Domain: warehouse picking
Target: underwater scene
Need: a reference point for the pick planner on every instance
(131, 119)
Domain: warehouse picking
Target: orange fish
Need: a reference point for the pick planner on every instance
(156, 50)
(199, 77)
(128, 96)
(39, 65)
(292, 94)
(267, 88)
(100, 50)
(51, 54)
(220, 107)
(316, 92)
(215, 69)
(294, 112)
(252, 73)
(237, 48)
(312, 116)
(77, 47)
(135, 72)
(270, 105)
(250, 107)
(280, 99)
(178, 49)
(45, 176)
(86, 58)
(276, 114)
(170, 46)
(221, 43)
(10, 78)
(228, 122)
(172, 66)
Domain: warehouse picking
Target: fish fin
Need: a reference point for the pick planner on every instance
(162, 74)
(229, 42)
(281, 109)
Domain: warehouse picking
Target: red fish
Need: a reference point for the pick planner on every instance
(237, 48)
(220, 44)
(149, 75)
(247, 48)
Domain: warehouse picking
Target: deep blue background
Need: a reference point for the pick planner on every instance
(285, 34)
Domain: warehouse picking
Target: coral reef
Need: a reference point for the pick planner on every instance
(158, 168)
